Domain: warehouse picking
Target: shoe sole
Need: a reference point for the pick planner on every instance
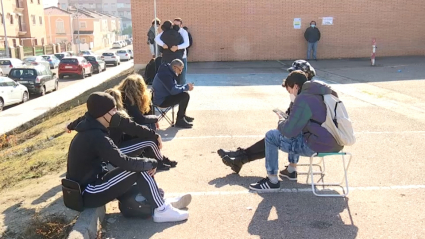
(170, 219)
(287, 177)
(264, 190)
(183, 202)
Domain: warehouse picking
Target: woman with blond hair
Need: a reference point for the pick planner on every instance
(137, 100)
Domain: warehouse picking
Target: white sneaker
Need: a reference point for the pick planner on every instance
(170, 214)
(180, 202)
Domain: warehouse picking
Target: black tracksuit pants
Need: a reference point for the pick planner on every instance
(181, 99)
(135, 147)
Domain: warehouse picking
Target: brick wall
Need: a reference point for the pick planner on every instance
(236, 30)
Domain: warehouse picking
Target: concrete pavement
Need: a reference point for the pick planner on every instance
(232, 104)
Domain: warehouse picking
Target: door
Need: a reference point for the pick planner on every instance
(50, 83)
(11, 93)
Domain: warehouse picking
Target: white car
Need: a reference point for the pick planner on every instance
(116, 45)
(131, 53)
(111, 58)
(123, 43)
(12, 92)
(86, 53)
(6, 64)
(124, 55)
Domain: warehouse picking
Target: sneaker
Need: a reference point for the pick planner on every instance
(161, 192)
(167, 161)
(169, 214)
(189, 119)
(291, 176)
(231, 154)
(182, 123)
(180, 202)
(264, 185)
(162, 167)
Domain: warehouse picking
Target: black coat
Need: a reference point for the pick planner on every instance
(312, 34)
(171, 38)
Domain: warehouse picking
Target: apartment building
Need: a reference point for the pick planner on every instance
(59, 25)
(119, 8)
(24, 20)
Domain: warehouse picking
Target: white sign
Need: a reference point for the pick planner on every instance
(297, 23)
(328, 21)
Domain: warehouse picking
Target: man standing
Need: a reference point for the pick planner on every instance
(151, 36)
(184, 45)
(312, 35)
(168, 93)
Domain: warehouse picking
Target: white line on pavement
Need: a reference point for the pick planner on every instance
(300, 190)
(257, 136)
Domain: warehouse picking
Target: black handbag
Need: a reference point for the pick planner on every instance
(72, 196)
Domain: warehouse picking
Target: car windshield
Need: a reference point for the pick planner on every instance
(23, 73)
(46, 57)
(60, 56)
(108, 54)
(69, 61)
(90, 58)
(30, 59)
(122, 51)
(5, 63)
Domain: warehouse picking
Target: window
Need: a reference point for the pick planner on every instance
(120, 5)
(41, 20)
(32, 1)
(128, 5)
(1, 18)
(113, 5)
(83, 25)
(11, 19)
(105, 5)
(38, 1)
(33, 19)
(60, 26)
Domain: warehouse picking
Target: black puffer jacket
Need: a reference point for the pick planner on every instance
(171, 38)
(92, 146)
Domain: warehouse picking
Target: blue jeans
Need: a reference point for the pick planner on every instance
(183, 75)
(311, 47)
(295, 147)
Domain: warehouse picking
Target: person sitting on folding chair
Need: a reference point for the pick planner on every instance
(166, 91)
(137, 100)
(92, 146)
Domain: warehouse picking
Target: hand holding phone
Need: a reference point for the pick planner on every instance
(281, 114)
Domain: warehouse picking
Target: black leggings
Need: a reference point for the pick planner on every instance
(257, 150)
(116, 183)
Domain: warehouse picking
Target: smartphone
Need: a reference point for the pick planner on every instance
(280, 113)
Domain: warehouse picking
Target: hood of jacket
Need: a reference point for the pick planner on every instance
(90, 123)
(315, 87)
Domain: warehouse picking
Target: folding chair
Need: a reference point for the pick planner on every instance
(163, 112)
(321, 164)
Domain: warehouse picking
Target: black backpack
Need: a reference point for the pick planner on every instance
(130, 207)
(152, 69)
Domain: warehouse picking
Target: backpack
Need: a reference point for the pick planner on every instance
(337, 121)
(151, 69)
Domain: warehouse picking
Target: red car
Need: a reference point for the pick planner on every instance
(74, 66)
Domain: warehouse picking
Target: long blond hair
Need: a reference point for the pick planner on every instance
(118, 99)
(136, 91)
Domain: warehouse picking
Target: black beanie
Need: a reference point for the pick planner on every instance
(100, 103)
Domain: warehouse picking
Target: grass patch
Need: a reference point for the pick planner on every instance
(37, 151)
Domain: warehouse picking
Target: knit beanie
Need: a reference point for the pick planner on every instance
(100, 103)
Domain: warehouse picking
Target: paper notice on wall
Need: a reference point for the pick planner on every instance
(328, 21)
(297, 23)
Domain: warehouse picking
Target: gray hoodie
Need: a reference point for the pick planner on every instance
(309, 105)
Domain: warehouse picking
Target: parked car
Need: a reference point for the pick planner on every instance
(53, 60)
(36, 60)
(8, 63)
(131, 53)
(111, 58)
(123, 43)
(12, 92)
(62, 55)
(70, 53)
(75, 66)
(116, 44)
(37, 78)
(97, 62)
(128, 41)
(86, 52)
(124, 55)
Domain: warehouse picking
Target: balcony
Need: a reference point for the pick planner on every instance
(19, 6)
(22, 29)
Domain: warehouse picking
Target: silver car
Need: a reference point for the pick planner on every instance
(36, 60)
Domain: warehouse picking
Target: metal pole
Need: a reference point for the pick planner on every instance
(6, 44)
(78, 34)
(156, 31)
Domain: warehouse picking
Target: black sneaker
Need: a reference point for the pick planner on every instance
(189, 119)
(182, 123)
(264, 185)
(291, 176)
(167, 161)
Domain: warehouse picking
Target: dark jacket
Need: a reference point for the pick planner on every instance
(151, 35)
(92, 146)
(126, 126)
(151, 69)
(165, 84)
(309, 105)
(171, 38)
(136, 115)
(312, 34)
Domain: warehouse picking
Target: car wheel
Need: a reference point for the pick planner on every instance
(83, 74)
(91, 72)
(116, 63)
(60, 76)
(56, 86)
(43, 91)
(25, 97)
(1, 104)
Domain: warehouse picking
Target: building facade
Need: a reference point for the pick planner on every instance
(238, 30)
(59, 25)
(24, 20)
(120, 8)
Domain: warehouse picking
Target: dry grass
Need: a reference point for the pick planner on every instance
(53, 227)
(37, 151)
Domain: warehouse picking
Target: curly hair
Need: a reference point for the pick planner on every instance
(134, 89)
(118, 98)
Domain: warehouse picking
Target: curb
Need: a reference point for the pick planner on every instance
(88, 223)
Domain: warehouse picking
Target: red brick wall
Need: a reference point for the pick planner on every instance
(235, 30)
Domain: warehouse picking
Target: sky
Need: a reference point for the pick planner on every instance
(48, 3)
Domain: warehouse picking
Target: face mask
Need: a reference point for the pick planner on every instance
(292, 97)
(312, 25)
(115, 120)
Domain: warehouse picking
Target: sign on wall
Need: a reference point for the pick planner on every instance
(328, 21)
(297, 23)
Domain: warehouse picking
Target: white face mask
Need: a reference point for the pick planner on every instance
(292, 97)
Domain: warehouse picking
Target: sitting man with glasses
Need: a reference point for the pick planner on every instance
(168, 93)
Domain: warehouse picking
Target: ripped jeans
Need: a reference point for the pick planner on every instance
(295, 147)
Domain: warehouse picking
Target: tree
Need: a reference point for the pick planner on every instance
(128, 31)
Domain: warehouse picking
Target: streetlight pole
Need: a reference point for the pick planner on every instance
(156, 31)
(6, 45)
